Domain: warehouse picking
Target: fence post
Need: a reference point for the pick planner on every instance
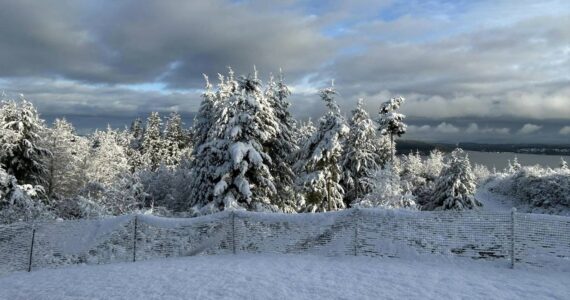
(356, 219)
(32, 249)
(233, 214)
(513, 213)
(135, 239)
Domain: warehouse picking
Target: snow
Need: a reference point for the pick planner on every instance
(493, 201)
(286, 277)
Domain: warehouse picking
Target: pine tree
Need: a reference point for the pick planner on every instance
(21, 152)
(433, 166)
(66, 166)
(455, 188)
(152, 144)
(361, 154)
(385, 191)
(391, 122)
(108, 158)
(305, 131)
(173, 140)
(319, 165)
(208, 155)
(563, 164)
(206, 116)
(246, 181)
(137, 132)
(282, 147)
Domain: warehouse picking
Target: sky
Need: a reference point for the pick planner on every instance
(471, 71)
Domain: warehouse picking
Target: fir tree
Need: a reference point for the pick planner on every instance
(152, 142)
(21, 152)
(246, 180)
(391, 122)
(319, 165)
(283, 145)
(361, 154)
(563, 164)
(66, 166)
(455, 188)
(173, 140)
(385, 191)
(108, 158)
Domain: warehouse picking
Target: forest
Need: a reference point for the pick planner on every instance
(244, 151)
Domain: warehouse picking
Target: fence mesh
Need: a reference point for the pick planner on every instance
(530, 239)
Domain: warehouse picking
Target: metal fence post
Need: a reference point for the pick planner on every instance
(356, 218)
(135, 239)
(513, 213)
(233, 216)
(32, 249)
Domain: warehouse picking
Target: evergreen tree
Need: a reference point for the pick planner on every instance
(66, 166)
(283, 145)
(152, 145)
(385, 191)
(137, 132)
(455, 188)
(206, 116)
(361, 154)
(21, 152)
(246, 181)
(319, 165)
(173, 140)
(108, 158)
(433, 166)
(208, 155)
(305, 131)
(563, 164)
(391, 122)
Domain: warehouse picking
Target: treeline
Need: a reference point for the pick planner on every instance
(244, 151)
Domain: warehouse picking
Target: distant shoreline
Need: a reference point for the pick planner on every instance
(407, 146)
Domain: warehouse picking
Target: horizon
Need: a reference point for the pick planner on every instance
(471, 71)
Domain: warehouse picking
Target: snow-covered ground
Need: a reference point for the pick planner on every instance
(493, 201)
(286, 277)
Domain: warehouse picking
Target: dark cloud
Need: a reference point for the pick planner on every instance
(472, 70)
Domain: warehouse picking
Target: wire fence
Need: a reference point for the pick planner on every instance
(510, 238)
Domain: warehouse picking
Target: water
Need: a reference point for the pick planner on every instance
(500, 159)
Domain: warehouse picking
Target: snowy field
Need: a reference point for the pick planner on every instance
(287, 277)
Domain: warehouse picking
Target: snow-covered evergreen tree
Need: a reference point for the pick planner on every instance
(19, 202)
(208, 155)
(152, 145)
(282, 147)
(205, 117)
(456, 186)
(246, 181)
(319, 167)
(412, 170)
(305, 131)
(65, 175)
(386, 191)
(392, 122)
(563, 164)
(108, 158)
(516, 165)
(433, 166)
(360, 157)
(174, 140)
(21, 150)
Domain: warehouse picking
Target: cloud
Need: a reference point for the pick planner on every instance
(173, 41)
(472, 60)
(419, 129)
(529, 128)
(473, 128)
(446, 128)
(565, 130)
